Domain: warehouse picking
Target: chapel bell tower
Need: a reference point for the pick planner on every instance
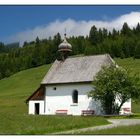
(64, 48)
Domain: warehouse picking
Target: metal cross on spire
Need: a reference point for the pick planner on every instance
(65, 33)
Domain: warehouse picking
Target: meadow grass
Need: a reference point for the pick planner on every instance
(130, 64)
(121, 130)
(133, 67)
(131, 116)
(14, 118)
(31, 124)
(14, 91)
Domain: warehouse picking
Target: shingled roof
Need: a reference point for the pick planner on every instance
(78, 69)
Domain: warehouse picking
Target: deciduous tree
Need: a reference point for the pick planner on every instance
(113, 83)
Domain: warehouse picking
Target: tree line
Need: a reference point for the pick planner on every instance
(118, 43)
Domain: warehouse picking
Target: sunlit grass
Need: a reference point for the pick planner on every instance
(14, 118)
(122, 130)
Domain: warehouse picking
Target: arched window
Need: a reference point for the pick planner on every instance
(75, 96)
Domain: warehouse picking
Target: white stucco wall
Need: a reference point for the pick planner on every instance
(126, 105)
(61, 99)
(32, 106)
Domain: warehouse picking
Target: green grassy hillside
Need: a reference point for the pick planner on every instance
(15, 89)
(130, 64)
(133, 67)
(120, 130)
(14, 118)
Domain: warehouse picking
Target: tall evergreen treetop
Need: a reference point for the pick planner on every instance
(93, 35)
(126, 29)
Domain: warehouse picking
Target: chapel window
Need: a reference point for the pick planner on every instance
(75, 96)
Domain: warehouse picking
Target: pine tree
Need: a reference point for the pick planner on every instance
(93, 35)
(126, 30)
(137, 31)
(137, 50)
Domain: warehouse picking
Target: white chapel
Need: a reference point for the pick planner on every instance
(65, 87)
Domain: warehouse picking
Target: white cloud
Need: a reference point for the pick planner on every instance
(74, 28)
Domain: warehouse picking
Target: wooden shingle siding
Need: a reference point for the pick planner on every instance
(37, 95)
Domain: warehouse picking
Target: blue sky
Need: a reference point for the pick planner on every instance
(17, 21)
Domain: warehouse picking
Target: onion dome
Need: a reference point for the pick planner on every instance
(65, 46)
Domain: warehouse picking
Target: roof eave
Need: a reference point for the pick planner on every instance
(80, 82)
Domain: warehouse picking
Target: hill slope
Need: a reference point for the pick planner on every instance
(14, 118)
(133, 66)
(25, 82)
(19, 86)
(14, 90)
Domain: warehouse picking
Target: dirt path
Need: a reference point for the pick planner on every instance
(115, 123)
